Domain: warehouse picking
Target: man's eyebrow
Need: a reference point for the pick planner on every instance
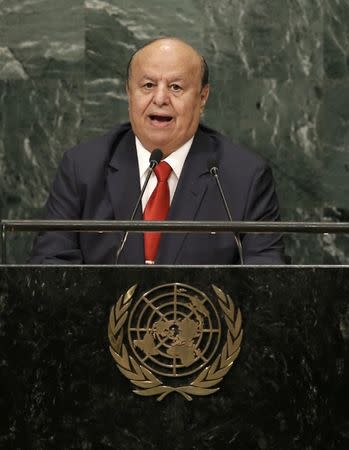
(173, 79)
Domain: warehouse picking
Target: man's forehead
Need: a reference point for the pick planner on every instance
(155, 74)
(170, 45)
(167, 53)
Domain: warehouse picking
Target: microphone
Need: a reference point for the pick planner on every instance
(213, 169)
(154, 159)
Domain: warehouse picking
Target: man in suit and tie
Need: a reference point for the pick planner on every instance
(167, 88)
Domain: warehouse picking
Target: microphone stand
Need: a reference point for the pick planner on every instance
(154, 160)
(214, 172)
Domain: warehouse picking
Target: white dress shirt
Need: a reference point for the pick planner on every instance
(176, 160)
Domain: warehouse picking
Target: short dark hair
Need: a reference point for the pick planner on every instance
(204, 66)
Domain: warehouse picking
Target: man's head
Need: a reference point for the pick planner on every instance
(167, 88)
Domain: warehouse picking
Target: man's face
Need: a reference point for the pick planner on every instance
(165, 95)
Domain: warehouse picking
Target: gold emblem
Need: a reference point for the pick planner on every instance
(173, 332)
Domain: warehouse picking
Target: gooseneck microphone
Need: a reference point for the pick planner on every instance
(213, 169)
(154, 159)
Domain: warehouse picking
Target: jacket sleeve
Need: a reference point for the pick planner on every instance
(262, 204)
(64, 203)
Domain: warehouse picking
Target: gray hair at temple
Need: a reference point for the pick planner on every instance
(204, 66)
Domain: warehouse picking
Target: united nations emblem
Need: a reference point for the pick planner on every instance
(174, 332)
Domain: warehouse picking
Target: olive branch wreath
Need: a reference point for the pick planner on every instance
(147, 383)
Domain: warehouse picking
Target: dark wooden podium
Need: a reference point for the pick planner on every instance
(61, 388)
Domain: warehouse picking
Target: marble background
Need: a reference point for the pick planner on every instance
(279, 79)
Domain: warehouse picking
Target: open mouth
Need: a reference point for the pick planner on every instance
(160, 119)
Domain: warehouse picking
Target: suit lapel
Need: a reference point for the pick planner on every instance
(124, 189)
(190, 191)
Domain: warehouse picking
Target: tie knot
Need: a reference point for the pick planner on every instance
(162, 171)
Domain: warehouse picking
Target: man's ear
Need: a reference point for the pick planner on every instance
(204, 96)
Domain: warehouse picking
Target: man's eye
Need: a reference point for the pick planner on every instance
(175, 87)
(149, 85)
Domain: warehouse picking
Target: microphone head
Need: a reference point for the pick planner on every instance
(155, 157)
(212, 166)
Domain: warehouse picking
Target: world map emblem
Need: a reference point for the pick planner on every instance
(169, 339)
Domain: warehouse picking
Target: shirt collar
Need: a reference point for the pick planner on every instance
(176, 159)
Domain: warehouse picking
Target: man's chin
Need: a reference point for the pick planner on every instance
(165, 143)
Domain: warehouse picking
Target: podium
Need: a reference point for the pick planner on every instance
(287, 388)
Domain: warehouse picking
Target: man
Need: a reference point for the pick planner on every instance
(167, 88)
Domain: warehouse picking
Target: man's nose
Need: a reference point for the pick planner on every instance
(161, 95)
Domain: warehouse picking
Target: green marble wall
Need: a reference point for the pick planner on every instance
(279, 78)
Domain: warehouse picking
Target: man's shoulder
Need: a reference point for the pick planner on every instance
(100, 148)
(230, 152)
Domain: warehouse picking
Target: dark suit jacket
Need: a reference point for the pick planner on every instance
(100, 180)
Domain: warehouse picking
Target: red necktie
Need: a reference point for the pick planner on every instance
(157, 209)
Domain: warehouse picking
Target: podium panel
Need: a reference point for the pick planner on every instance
(286, 389)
